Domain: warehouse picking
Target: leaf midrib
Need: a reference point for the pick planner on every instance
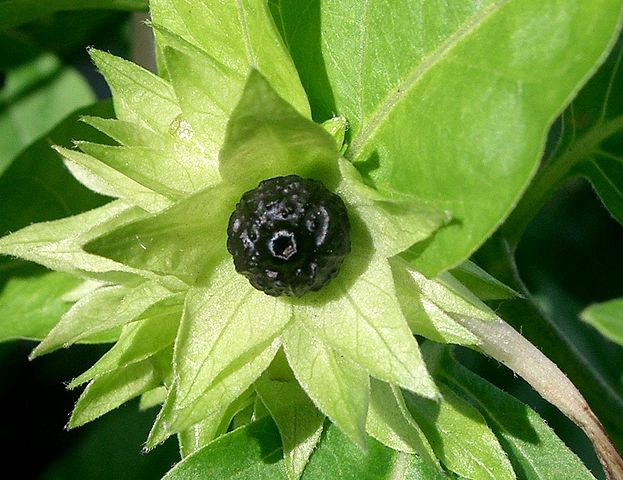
(402, 91)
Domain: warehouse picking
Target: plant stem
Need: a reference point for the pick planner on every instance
(505, 344)
(553, 174)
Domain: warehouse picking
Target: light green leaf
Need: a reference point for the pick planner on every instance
(266, 137)
(390, 422)
(298, 420)
(104, 309)
(240, 35)
(126, 133)
(448, 103)
(533, 447)
(358, 315)
(31, 306)
(337, 127)
(447, 293)
(424, 316)
(460, 437)
(607, 317)
(337, 386)
(224, 326)
(214, 425)
(481, 284)
(207, 93)
(185, 240)
(105, 180)
(151, 332)
(160, 170)
(139, 95)
(152, 398)
(15, 12)
(112, 390)
(213, 403)
(395, 222)
(58, 244)
(35, 96)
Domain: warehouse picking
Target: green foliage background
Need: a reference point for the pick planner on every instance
(569, 256)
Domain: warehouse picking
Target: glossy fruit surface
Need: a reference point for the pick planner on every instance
(289, 235)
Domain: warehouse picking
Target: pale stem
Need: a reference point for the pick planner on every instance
(505, 344)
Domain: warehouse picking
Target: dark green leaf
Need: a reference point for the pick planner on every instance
(534, 449)
(31, 306)
(39, 92)
(16, 12)
(254, 452)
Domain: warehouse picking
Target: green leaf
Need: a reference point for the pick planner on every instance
(298, 420)
(139, 95)
(104, 309)
(254, 452)
(251, 452)
(31, 306)
(460, 437)
(240, 35)
(58, 244)
(448, 103)
(152, 331)
(588, 145)
(184, 240)
(338, 387)
(36, 95)
(38, 187)
(105, 180)
(266, 137)
(227, 388)
(607, 317)
(125, 133)
(336, 457)
(224, 326)
(159, 170)
(206, 90)
(215, 425)
(533, 448)
(112, 390)
(390, 422)
(395, 222)
(360, 318)
(16, 12)
(481, 284)
(424, 316)
(593, 128)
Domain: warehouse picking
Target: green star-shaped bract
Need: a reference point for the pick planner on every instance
(189, 330)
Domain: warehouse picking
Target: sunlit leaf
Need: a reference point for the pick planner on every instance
(607, 317)
(447, 103)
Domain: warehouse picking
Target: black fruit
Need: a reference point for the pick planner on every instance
(289, 235)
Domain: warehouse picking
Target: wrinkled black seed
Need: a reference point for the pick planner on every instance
(289, 235)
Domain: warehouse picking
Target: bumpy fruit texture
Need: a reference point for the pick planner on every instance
(289, 235)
